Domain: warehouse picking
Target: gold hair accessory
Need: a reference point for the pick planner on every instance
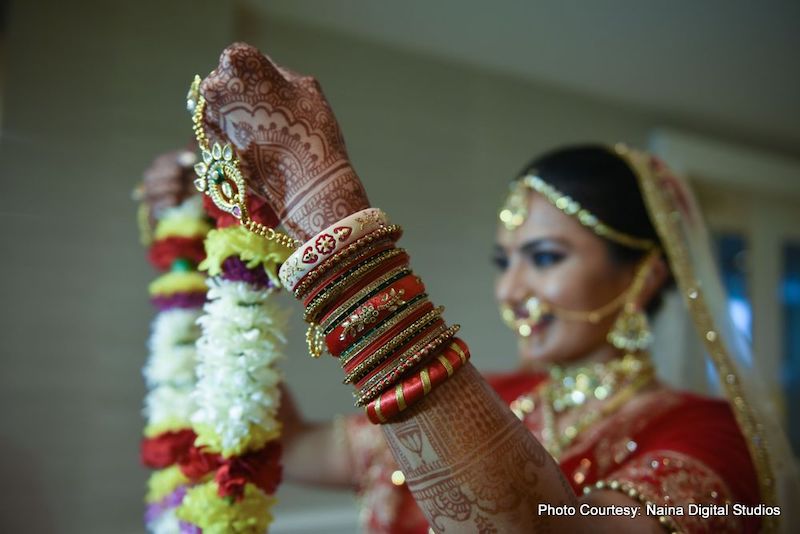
(219, 176)
(515, 211)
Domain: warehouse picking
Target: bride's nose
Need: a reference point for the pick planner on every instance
(511, 286)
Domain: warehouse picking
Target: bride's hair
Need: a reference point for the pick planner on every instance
(604, 184)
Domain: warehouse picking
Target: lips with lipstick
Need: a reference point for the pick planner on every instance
(533, 315)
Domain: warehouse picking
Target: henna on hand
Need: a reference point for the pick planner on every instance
(471, 465)
(291, 148)
(167, 182)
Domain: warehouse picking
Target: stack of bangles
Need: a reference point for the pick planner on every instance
(366, 306)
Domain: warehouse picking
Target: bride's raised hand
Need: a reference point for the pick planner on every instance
(291, 148)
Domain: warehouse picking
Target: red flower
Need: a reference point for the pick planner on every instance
(231, 479)
(261, 468)
(164, 252)
(195, 464)
(165, 449)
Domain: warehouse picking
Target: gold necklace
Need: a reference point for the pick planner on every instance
(614, 383)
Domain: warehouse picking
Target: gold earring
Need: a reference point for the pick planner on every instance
(631, 331)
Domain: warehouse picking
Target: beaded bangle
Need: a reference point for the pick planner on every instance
(382, 333)
(350, 303)
(329, 241)
(344, 263)
(411, 390)
(411, 339)
(384, 234)
(377, 308)
(411, 359)
(357, 365)
(412, 320)
(390, 259)
(349, 270)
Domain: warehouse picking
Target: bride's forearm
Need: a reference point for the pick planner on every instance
(471, 465)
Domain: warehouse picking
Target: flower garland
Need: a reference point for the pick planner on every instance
(177, 247)
(235, 460)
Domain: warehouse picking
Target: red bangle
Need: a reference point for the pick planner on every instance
(437, 337)
(331, 296)
(419, 313)
(413, 389)
(312, 282)
(345, 271)
(375, 309)
(416, 332)
(421, 338)
(387, 233)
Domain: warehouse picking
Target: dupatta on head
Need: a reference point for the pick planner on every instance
(678, 220)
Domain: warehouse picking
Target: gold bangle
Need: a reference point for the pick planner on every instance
(405, 357)
(378, 357)
(367, 394)
(346, 281)
(353, 351)
(371, 241)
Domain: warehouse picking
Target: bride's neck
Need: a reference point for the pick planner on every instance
(602, 354)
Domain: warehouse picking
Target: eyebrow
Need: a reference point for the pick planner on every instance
(532, 245)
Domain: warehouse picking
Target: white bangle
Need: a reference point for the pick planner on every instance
(328, 242)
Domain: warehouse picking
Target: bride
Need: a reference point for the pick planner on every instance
(583, 436)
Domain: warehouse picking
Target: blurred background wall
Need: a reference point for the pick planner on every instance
(441, 105)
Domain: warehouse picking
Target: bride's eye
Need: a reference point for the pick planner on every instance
(545, 258)
(500, 261)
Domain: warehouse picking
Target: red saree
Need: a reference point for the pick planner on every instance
(673, 448)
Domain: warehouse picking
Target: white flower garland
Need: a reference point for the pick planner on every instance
(242, 337)
(170, 369)
(172, 347)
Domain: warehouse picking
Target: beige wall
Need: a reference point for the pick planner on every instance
(93, 92)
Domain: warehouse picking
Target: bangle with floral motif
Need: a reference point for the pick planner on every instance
(317, 278)
(412, 316)
(383, 235)
(375, 309)
(358, 364)
(414, 388)
(329, 241)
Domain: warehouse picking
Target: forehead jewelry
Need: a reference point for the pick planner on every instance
(219, 176)
(515, 211)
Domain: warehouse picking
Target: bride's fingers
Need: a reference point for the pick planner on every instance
(288, 74)
(243, 74)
